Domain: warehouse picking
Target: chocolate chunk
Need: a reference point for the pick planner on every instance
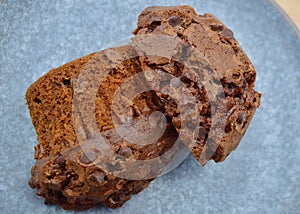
(54, 184)
(241, 117)
(60, 160)
(227, 33)
(125, 151)
(201, 132)
(98, 177)
(174, 21)
(66, 81)
(217, 27)
(87, 157)
(154, 25)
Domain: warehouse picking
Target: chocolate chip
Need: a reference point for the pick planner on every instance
(98, 177)
(116, 199)
(200, 132)
(87, 157)
(217, 27)
(236, 75)
(66, 81)
(227, 33)
(174, 21)
(241, 117)
(135, 112)
(37, 100)
(60, 160)
(228, 128)
(54, 185)
(178, 68)
(154, 25)
(125, 151)
(168, 118)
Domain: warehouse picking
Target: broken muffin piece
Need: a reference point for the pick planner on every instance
(234, 70)
(66, 171)
(100, 141)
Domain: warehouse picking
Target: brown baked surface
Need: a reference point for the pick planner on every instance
(233, 68)
(63, 175)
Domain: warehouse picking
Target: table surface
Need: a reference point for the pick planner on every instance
(292, 8)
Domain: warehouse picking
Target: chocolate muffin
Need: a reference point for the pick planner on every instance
(66, 171)
(110, 122)
(232, 67)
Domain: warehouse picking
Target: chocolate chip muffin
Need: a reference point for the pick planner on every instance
(66, 172)
(110, 122)
(230, 64)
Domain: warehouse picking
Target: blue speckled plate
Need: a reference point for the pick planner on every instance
(262, 176)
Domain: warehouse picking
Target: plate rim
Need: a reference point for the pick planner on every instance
(284, 14)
